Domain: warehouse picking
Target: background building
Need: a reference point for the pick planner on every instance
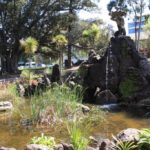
(133, 26)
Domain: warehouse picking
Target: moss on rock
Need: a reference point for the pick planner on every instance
(132, 83)
(128, 87)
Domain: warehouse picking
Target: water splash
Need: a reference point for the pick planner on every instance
(109, 106)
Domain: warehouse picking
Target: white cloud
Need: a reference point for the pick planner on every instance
(103, 14)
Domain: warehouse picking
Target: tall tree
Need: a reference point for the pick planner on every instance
(40, 19)
(73, 6)
(20, 19)
(134, 7)
(137, 7)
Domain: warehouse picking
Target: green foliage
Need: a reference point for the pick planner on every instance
(95, 117)
(147, 26)
(29, 45)
(146, 43)
(44, 140)
(120, 145)
(77, 136)
(60, 40)
(95, 37)
(144, 142)
(61, 98)
(118, 5)
(28, 75)
(12, 89)
(127, 87)
(131, 84)
(65, 98)
(92, 34)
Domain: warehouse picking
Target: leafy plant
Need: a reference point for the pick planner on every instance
(123, 145)
(144, 142)
(78, 139)
(44, 140)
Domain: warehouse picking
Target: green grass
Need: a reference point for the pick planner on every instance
(78, 136)
(60, 98)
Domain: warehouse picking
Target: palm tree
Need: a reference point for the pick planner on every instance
(30, 46)
(61, 42)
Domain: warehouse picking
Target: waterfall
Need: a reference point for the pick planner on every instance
(107, 71)
(108, 68)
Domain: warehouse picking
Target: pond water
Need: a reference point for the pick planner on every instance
(14, 135)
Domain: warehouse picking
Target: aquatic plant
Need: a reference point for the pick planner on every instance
(44, 140)
(77, 135)
(123, 145)
(94, 117)
(60, 97)
(144, 142)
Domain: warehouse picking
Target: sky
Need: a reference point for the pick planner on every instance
(103, 14)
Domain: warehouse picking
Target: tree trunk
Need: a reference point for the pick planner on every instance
(69, 36)
(9, 65)
(69, 55)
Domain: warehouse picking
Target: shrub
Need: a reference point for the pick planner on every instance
(44, 140)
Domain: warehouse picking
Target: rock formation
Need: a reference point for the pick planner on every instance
(121, 71)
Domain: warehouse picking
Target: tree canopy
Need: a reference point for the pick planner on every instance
(41, 19)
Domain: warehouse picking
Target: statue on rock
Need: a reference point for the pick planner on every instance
(118, 17)
(117, 10)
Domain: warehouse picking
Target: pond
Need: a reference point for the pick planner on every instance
(14, 135)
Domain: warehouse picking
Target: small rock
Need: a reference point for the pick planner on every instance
(67, 146)
(90, 148)
(5, 105)
(59, 147)
(130, 135)
(105, 97)
(144, 103)
(37, 147)
(85, 109)
(106, 145)
(21, 89)
(6, 148)
(93, 141)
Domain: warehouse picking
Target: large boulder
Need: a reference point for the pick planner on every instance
(132, 83)
(121, 69)
(105, 97)
(144, 66)
(6, 148)
(5, 105)
(144, 103)
(129, 135)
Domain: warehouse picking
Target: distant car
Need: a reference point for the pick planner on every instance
(50, 65)
(30, 65)
(40, 65)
